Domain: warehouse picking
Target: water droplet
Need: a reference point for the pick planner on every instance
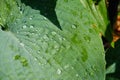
(21, 44)
(56, 46)
(35, 59)
(24, 26)
(64, 39)
(74, 26)
(30, 18)
(76, 75)
(54, 33)
(38, 51)
(39, 63)
(31, 26)
(60, 38)
(11, 14)
(59, 71)
(66, 66)
(94, 67)
(44, 18)
(45, 37)
(21, 12)
(91, 73)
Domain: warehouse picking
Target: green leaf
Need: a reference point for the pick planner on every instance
(35, 48)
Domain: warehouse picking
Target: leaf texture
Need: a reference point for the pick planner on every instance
(34, 48)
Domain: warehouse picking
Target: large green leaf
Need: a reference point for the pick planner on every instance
(34, 47)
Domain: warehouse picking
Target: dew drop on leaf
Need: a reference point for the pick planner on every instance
(11, 14)
(44, 18)
(74, 26)
(94, 68)
(45, 37)
(64, 39)
(56, 46)
(21, 12)
(30, 18)
(60, 38)
(54, 33)
(38, 51)
(72, 67)
(76, 75)
(35, 58)
(66, 66)
(39, 63)
(91, 73)
(31, 26)
(21, 44)
(59, 71)
(24, 26)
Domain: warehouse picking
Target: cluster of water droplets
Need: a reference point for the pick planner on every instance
(91, 71)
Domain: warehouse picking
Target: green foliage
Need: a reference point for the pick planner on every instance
(52, 40)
